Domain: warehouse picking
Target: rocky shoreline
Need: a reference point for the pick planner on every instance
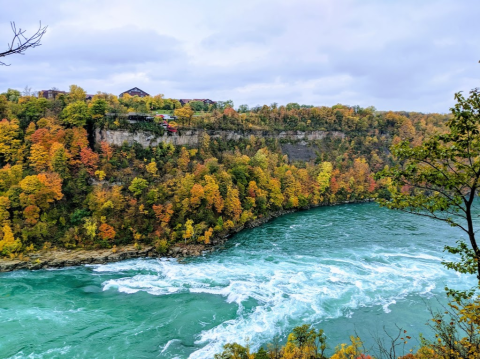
(60, 258)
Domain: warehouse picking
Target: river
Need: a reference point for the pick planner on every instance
(346, 269)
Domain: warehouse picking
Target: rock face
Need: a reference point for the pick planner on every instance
(68, 258)
(300, 151)
(192, 138)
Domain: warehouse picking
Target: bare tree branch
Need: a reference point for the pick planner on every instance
(20, 43)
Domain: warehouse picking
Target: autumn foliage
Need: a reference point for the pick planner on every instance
(57, 185)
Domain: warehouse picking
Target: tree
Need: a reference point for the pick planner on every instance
(197, 105)
(106, 232)
(152, 168)
(234, 351)
(233, 206)
(8, 244)
(184, 114)
(137, 186)
(89, 159)
(222, 105)
(441, 177)
(107, 150)
(163, 213)
(20, 43)
(197, 194)
(324, 176)
(76, 113)
(10, 142)
(183, 159)
(12, 95)
(189, 232)
(76, 93)
(98, 108)
(212, 194)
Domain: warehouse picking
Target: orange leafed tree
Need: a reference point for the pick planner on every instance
(77, 139)
(163, 212)
(107, 150)
(197, 194)
(208, 235)
(106, 232)
(53, 183)
(41, 190)
(89, 160)
(31, 214)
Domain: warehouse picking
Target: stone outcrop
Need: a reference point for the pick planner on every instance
(192, 138)
(67, 258)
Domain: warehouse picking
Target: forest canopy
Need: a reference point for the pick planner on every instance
(61, 187)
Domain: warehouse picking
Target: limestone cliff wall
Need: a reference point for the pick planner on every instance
(192, 138)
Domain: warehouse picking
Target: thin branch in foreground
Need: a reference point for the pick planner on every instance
(20, 43)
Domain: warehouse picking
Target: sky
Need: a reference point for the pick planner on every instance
(391, 54)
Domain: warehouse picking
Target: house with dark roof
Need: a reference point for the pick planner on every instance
(184, 101)
(135, 92)
(52, 94)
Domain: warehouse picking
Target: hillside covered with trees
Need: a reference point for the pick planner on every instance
(59, 188)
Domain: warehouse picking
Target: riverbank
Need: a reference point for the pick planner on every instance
(59, 258)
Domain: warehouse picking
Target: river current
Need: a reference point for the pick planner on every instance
(347, 269)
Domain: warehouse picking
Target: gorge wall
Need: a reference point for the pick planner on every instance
(298, 144)
(299, 148)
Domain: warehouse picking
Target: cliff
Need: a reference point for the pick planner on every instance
(300, 147)
(192, 138)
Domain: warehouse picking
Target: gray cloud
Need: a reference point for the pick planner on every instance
(405, 55)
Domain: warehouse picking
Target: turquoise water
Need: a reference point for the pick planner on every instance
(344, 269)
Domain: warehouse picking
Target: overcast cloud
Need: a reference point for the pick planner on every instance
(391, 54)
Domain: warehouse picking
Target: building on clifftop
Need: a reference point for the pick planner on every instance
(135, 92)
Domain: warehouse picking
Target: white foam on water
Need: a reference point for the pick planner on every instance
(165, 347)
(50, 353)
(287, 289)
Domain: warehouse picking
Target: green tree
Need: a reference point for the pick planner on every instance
(293, 106)
(197, 105)
(76, 114)
(440, 178)
(243, 108)
(137, 186)
(12, 95)
(261, 354)
(233, 351)
(98, 108)
(222, 105)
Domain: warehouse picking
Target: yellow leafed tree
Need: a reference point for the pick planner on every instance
(184, 114)
(324, 176)
(9, 244)
(189, 233)
(9, 142)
